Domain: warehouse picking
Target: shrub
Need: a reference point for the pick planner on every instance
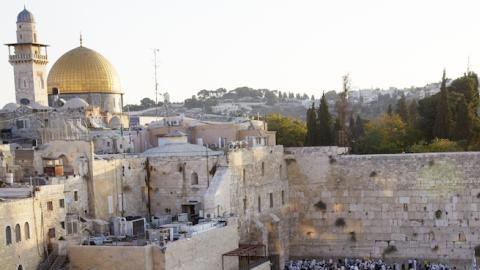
(332, 160)
(353, 237)
(340, 222)
(437, 145)
(321, 206)
(438, 214)
(373, 174)
(389, 250)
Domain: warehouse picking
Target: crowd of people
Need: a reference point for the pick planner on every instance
(363, 264)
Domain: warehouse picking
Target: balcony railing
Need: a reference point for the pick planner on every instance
(27, 56)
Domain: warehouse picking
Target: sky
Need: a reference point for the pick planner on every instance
(297, 45)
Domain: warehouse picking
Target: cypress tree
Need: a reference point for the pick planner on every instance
(412, 114)
(463, 126)
(441, 127)
(401, 109)
(325, 136)
(389, 110)
(359, 129)
(311, 126)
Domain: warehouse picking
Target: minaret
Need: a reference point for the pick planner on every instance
(29, 61)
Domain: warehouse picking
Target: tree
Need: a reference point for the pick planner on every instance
(389, 110)
(342, 111)
(147, 103)
(270, 97)
(359, 128)
(412, 114)
(442, 125)
(203, 94)
(290, 132)
(324, 131)
(401, 109)
(311, 126)
(386, 134)
(463, 124)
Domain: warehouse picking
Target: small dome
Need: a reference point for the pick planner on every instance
(10, 107)
(75, 103)
(25, 17)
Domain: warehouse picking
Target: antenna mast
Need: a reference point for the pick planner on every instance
(156, 81)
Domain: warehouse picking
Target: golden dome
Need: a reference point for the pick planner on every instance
(83, 70)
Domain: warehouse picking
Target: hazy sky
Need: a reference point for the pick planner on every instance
(297, 45)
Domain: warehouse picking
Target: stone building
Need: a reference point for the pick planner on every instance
(29, 60)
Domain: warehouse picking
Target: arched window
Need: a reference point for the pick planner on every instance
(8, 235)
(20, 267)
(263, 168)
(18, 233)
(194, 178)
(26, 230)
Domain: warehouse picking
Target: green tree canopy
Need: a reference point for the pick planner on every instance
(290, 132)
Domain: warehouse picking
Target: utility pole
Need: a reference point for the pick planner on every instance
(156, 81)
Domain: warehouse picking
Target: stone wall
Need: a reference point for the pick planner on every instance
(259, 197)
(115, 257)
(119, 186)
(177, 180)
(202, 252)
(396, 206)
(29, 249)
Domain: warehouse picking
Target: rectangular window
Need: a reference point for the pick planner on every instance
(21, 124)
(51, 233)
(271, 200)
(259, 204)
(283, 197)
(61, 202)
(75, 195)
(62, 223)
(50, 206)
(405, 207)
(71, 227)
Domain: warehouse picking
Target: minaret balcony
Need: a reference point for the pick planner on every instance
(27, 57)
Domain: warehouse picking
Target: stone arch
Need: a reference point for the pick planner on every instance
(18, 233)
(8, 235)
(67, 166)
(26, 230)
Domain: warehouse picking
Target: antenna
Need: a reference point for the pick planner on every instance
(468, 65)
(156, 81)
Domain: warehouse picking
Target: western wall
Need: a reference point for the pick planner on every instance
(395, 206)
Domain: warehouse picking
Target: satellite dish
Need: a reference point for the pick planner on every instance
(24, 101)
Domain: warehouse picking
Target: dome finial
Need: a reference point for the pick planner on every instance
(81, 40)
